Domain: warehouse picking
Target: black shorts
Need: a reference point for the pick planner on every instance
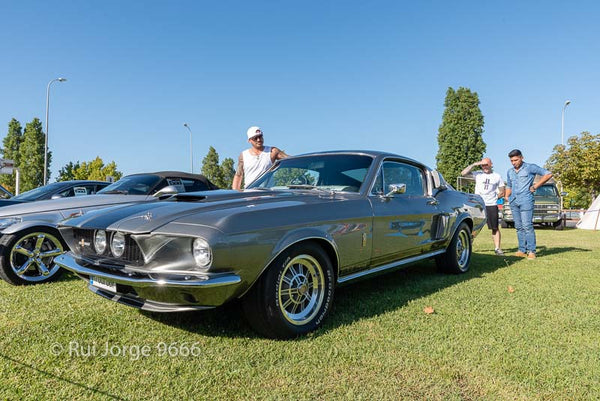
(492, 217)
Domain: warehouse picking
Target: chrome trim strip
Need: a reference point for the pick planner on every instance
(68, 262)
(378, 269)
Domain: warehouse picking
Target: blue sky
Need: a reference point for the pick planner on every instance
(315, 75)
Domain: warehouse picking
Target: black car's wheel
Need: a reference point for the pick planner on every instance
(560, 224)
(27, 256)
(503, 224)
(294, 294)
(457, 257)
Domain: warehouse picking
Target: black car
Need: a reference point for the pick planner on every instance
(57, 190)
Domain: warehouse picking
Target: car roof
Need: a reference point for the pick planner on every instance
(180, 174)
(372, 153)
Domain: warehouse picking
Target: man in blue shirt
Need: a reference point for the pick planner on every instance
(519, 193)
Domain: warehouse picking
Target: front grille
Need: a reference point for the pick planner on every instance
(546, 207)
(84, 246)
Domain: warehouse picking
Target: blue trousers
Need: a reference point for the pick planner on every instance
(523, 216)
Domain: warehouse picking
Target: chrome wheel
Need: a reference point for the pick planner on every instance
(301, 289)
(463, 249)
(31, 258)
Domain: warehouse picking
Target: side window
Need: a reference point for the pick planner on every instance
(402, 173)
(378, 187)
(66, 193)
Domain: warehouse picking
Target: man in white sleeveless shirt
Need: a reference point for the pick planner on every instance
(256, 160)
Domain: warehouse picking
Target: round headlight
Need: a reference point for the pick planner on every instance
(202, 252)
(117, 245)
(100, 242)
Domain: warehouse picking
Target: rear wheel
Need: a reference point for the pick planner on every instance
(457, 257)
(28, 256)
(294, 294)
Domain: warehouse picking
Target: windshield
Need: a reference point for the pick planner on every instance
(546, 190)
(41, 192)
(330, 172)
(133, 185)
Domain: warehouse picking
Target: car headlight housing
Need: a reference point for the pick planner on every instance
(202, 252)
(117, 245)
(100, 242)
(9, 221)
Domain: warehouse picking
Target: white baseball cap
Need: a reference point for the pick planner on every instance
(253, 131)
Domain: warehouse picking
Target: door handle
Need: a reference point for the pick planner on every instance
(432, 202)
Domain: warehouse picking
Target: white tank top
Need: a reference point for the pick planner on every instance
(254, 166)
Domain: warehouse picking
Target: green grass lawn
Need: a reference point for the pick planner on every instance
(540, 341)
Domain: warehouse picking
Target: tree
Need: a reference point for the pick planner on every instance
(577, 167)
(92, 170)
(31, 156)
(211, 168)
(460, 138)
(227, 172)
(11, 144)
(67, 173)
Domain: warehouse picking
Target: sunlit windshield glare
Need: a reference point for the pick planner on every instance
(331, 172)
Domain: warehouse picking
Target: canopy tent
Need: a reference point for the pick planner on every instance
(591, 218)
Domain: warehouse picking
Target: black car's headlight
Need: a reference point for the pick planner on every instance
(117, 245)
(202, 252)
(100, 242)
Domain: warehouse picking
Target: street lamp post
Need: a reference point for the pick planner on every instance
(46, 136)
(191, 151)
(562, 125)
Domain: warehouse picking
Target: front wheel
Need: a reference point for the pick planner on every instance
(28, 256)
(294, 294)
(560, 224)
(457, 257)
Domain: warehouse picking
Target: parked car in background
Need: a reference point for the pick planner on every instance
(5, 193)
(546, 209)
(29, 240)
(310, 223)
(57, 190)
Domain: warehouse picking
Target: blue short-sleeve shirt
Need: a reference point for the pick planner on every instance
(520, 181)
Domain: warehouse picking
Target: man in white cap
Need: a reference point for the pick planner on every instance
(256, 160)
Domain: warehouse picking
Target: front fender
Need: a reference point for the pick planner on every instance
(294, 237)
(24, 225)
(303, 234)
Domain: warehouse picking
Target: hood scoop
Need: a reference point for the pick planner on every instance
(187, 197)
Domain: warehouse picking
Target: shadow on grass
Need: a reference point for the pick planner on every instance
(30, 368)
(363, 299)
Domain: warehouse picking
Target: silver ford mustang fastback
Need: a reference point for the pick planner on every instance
(310, 223)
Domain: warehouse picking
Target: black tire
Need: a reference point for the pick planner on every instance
(27, 256)
(457, 257)
(294, 294)
(503, 224)
(559, 225)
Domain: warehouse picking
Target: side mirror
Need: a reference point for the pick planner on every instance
(438, 181)
(564, 193)
(56, 196)
(396, 189)
(168, 190)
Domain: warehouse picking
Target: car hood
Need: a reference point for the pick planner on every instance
(70, 203)
(8, 202)
(222, 209)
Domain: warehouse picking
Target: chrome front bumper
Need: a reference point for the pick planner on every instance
(160, 295)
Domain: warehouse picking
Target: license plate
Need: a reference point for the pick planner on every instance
(103, 284)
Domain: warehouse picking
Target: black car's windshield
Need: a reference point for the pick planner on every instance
(140, 184)
(39, 193)
(330, 172)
